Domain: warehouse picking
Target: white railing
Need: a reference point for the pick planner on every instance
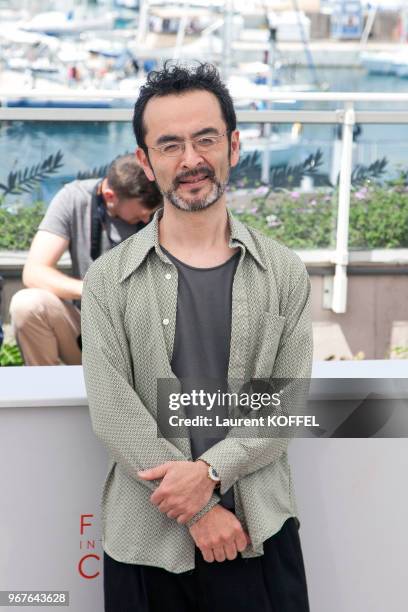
(346, 115)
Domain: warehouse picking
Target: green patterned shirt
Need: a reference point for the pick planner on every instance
(128, 317)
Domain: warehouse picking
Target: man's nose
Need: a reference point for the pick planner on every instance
(190, 157)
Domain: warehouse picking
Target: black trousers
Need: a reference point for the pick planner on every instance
(275, 582)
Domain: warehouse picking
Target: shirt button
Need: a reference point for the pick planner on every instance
(167, 276)
(165, 321)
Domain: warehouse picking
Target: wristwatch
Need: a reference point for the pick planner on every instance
(213, 474)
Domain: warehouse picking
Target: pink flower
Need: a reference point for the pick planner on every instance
(254, 210)
(261, 191)
(295, 195)
(361, 194)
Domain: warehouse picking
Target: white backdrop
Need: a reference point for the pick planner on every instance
(351, 493)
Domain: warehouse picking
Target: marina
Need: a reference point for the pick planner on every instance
(258, 47)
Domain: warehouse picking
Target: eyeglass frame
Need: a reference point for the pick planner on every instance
(182, 143)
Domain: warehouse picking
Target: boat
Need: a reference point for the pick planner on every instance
(378, 63)
(393, 63)
(56, 23)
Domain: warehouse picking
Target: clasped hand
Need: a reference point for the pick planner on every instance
(184, 490)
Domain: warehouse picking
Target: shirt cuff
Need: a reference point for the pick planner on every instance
(214, 499)
(229, 459)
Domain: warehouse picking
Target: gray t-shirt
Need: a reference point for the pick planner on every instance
(69, 215)
(202, 341)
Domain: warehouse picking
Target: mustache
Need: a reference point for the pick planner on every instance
(193, 173)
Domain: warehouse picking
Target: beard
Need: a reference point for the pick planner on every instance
(191, 203)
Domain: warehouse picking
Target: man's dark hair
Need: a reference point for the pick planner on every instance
(176, 79)
(127, 179)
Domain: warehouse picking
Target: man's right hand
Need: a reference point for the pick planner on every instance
(219, 535)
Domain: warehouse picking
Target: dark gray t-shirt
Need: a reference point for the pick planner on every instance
(202, 339)
(69, 215)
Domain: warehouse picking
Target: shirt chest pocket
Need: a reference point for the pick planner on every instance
(266, 347)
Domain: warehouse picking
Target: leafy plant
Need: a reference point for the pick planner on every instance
(378, 218)
(25, 180)
(378, 209)
(374, 172)
(283, 176)
(286, 176)
(399, 182)
(247, 172)
(96, 172)
(302, 221)
(10, 355)
(19, 227)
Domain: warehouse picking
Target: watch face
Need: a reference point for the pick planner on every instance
(214, 474)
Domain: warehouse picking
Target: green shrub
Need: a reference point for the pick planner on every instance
(19, 226)
(378, 216)
(10, 355)
(301, 221)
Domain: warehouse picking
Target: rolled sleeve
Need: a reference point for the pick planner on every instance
(59, 214)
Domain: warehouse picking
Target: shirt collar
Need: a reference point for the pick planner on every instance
(148, 238)
(241, 234)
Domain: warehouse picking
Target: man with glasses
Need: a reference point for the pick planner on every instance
(193, 523)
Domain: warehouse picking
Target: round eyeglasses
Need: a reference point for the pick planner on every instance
(201, 144)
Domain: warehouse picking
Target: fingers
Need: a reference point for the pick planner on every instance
(154, 473)
(219, 553)
(241, 541)
(158, 497)
(172, 514)
(208, 554)
(219, 536)
(175, 512)
(230, 551)
(160, 494)
(164, 507)
(183, 518)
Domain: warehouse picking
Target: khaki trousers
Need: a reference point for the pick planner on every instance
(46, 327)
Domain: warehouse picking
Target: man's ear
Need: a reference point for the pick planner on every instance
(143, 161)
(234, 148)
(108, 194)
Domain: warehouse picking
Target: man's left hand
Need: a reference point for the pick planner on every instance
(184, 490)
